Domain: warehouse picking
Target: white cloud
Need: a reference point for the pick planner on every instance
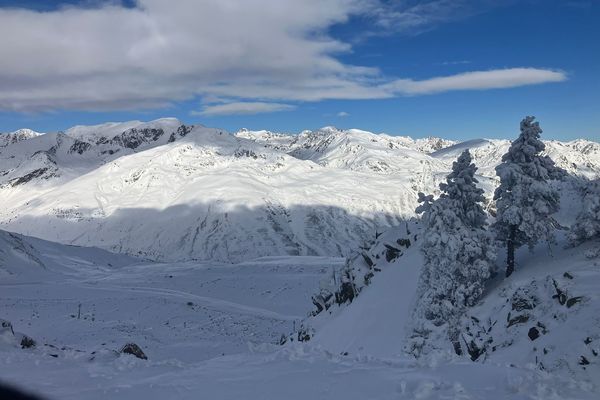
(115, 57)
(239, 108)
(342, 114)
(251, 52)
(477, 80)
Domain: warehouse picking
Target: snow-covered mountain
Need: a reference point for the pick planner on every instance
(16, 136)
(169, 191)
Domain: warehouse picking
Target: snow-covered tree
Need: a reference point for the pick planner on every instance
(525, 200)
(458, 253)
(587, 225)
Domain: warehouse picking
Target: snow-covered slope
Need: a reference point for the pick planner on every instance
(25, 259)
(79, 306)
(169, 191)
(210, 329)
(375, 323)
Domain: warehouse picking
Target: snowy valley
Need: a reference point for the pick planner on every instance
(224, 256)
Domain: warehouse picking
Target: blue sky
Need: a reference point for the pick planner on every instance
(84, 63)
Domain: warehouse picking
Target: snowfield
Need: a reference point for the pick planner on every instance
(208, 250)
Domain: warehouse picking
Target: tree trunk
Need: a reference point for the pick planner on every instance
(510, 250)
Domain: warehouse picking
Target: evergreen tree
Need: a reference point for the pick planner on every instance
(587, 225)
(525, 200)
(458, 252)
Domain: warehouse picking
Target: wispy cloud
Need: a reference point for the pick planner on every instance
(415, 17)
(477, 80)
(343, 114)
(459, 62)
(243, 108)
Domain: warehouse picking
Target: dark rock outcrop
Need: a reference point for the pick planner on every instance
(533, 333)
(27, 342)
(134, 350)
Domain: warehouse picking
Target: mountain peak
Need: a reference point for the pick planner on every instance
(17, 136)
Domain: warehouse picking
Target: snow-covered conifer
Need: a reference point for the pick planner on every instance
(587, 225)
(525, 200)
(458, 255)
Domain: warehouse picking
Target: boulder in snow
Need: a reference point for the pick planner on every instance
(133, 349)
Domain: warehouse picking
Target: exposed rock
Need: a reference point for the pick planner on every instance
(346, 293)
(519, 319)
(79, 147)
(181, 131)
(404, 242)
(133, 349)
(134, 137)
(27, 342)
(28, 177)
(367, 259)
(583, 361)
(391, 253)
(322, 301)
(474, 351)
(560, 295)
(304, 334)
(573, 300)
(533, 333)
(568, 275)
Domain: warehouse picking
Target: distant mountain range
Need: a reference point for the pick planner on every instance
(169, 191)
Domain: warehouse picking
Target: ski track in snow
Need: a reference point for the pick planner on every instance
(221, 305)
